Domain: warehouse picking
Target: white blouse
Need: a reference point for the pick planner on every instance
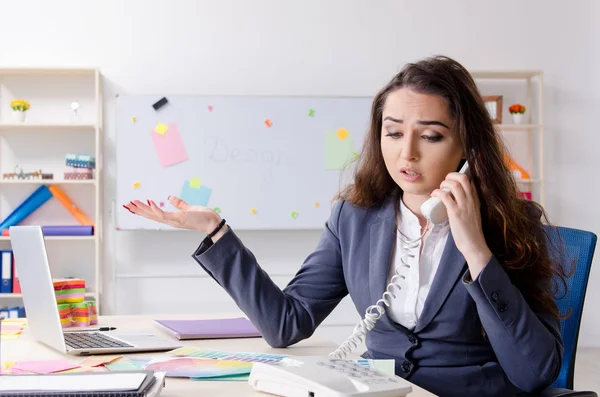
(408, 305)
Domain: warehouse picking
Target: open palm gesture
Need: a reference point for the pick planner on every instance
(193, 217)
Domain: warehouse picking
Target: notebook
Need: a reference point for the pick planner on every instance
(210, 329)
(114, 384)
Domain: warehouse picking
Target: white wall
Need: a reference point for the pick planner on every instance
(311, 47)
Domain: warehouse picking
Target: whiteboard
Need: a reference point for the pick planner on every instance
(262, 162)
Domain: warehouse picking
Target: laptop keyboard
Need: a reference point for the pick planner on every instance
(91, 340)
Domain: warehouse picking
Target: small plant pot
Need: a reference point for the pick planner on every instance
(18, 116)
(518, 118)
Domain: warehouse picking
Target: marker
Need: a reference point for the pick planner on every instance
(90, 329)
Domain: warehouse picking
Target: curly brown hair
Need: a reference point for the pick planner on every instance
(512, 226)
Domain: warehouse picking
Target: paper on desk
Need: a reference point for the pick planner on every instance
(192, 367)
(44, 367)
(80, 382)
(14, 321)
(223, 355)
(6, 328)
(94, 361)
(123, 364)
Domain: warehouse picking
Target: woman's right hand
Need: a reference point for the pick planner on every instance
(186, 216)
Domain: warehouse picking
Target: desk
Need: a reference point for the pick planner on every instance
(25, 348)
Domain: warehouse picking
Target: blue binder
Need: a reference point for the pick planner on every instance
(6, 269)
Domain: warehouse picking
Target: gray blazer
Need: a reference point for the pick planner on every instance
(447, 352)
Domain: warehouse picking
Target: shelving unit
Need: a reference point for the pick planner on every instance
(50, 131)
(525, 87)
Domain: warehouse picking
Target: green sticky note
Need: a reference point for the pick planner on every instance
(294, 214)
(338, 152)
(217, 210)
(311, 112)
(195, 183)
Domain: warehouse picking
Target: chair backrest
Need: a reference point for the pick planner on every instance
(579, 246)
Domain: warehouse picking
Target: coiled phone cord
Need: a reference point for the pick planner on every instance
(374, 312)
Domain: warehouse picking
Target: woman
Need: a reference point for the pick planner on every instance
(471, 309)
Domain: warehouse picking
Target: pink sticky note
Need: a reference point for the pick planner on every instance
(169, 147)
(210, 108)
(44, 367)
(12, 328)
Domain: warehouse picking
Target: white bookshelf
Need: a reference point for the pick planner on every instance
(524, 87)
(50, 131)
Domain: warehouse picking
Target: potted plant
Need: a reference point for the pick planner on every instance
(19, 107)
(517, 112)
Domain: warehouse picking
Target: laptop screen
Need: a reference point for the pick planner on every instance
(31, 262)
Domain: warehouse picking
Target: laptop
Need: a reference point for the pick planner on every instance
(31, 261)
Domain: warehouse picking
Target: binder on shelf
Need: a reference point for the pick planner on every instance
(16, 287)
(68, 230)
(6, 267)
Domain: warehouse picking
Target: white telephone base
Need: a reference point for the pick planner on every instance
(324, 377)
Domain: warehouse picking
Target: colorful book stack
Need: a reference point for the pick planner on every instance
(80, 166)
(69, 290)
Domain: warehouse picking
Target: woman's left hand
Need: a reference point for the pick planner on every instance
(463, 207)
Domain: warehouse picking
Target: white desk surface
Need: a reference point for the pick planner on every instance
(25, 348)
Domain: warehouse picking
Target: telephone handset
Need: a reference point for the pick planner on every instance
(434, 209)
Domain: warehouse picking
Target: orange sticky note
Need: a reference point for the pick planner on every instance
(342, 133)
(268, 123)
(161, 128)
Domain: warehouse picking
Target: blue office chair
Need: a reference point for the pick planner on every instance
(579, 248)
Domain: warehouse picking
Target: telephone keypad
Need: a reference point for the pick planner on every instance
(356, 371)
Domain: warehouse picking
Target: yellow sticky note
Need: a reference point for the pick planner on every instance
(195, 183)
(253, 210)
(136, 185)
(317, 204)
(161, 128)
(134, 119)
(342, 133)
